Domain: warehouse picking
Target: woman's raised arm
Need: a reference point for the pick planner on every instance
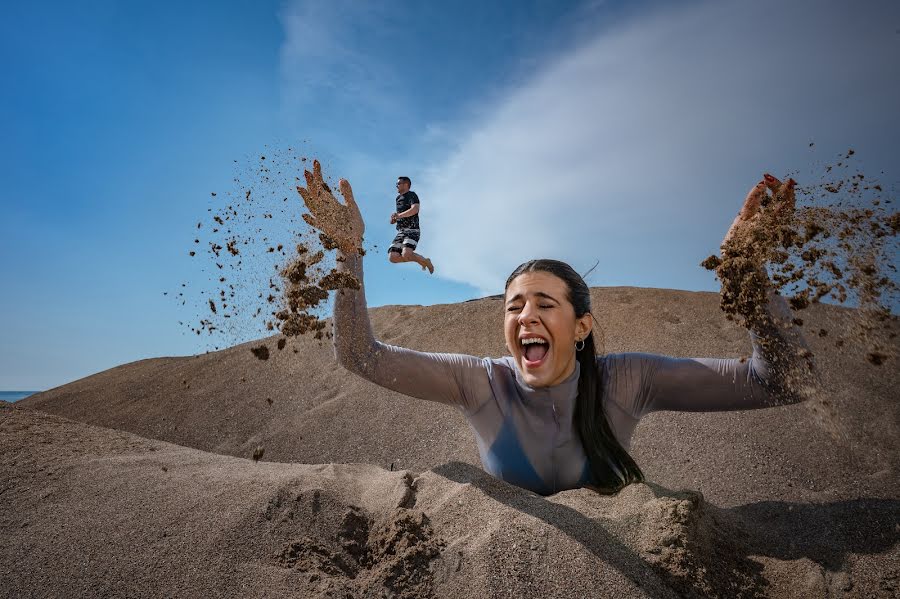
(778, 372)
(447, 378)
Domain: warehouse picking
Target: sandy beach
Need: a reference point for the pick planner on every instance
(139, 481)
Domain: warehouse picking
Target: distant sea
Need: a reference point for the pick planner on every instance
(15, 395)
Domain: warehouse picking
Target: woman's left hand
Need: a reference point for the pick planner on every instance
(783, 194)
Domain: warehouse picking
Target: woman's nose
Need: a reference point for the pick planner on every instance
(527, 316)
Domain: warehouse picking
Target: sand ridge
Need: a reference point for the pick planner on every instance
(174, 521)
(783, 502)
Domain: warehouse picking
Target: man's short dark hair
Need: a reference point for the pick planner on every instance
(407, 180)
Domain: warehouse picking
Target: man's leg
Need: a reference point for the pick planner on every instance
(396, 249)
(409, 255)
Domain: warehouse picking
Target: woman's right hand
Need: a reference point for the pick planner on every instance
(343, 223)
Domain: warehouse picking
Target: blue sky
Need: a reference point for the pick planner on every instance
(620, 132)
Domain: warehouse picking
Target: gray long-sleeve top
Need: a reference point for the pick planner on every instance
(525, 435)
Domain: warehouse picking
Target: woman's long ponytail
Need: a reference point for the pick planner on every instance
(611, 466)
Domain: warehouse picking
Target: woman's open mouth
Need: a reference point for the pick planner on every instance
(534, 350)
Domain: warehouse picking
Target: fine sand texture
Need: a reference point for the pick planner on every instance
(139, 481)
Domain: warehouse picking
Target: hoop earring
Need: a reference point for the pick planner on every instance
(581, 341)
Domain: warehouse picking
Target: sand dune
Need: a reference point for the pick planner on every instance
(105, 513)
(795, 501)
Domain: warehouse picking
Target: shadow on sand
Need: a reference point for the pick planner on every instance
(824, 533)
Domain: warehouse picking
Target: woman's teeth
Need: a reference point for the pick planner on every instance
(535, 348)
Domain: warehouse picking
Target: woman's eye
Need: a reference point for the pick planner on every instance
(546, 305)
(513, 308)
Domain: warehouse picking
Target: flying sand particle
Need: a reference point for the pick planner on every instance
(828, 249)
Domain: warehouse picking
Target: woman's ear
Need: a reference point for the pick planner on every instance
(583, 326)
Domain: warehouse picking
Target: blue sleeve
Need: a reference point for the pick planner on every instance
(778, 372)
(455, 379)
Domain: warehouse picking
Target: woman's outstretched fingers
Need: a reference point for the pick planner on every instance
(347, 192)
(753, 201)
(787, 188)
(785, 199)
(317, 171)
(320, 179)
(312, 183)
(311, 196)
(307, 198)
(310, 220)
(749, 210)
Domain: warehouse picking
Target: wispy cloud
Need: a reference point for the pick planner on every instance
(637, 147)
(324, 61)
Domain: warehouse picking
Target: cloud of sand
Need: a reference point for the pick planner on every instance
(637, 147)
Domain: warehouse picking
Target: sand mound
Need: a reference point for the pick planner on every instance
(92, 511)
(799, 501)
(291, 404)
(394, 556)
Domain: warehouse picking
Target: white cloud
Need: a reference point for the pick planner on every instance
(322, 60)
(637, 147)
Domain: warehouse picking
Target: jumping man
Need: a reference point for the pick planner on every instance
(407, 220)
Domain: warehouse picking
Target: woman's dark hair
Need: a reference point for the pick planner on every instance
(611, 466)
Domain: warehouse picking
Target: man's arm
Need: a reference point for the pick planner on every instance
(411, 212)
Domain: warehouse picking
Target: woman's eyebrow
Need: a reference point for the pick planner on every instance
(515, 298)
(518, 297)
(546, 296)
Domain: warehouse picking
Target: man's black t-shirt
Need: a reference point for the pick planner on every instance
(404, 203)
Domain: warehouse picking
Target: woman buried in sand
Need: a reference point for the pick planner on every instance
(553, 415)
